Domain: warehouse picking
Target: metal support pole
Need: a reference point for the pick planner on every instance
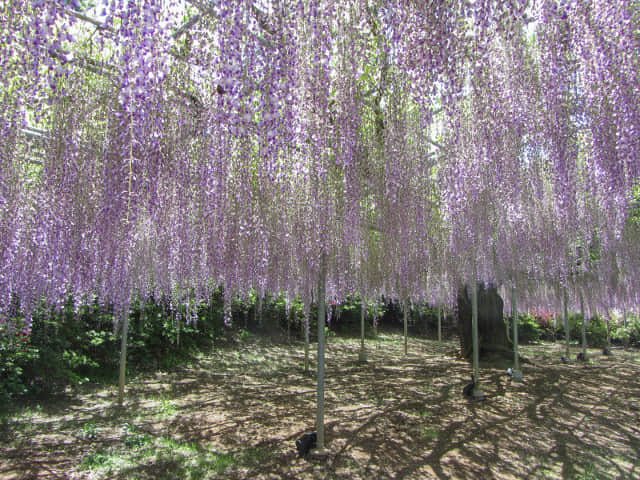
(406, 347)
(320, 449)
(566, 323)
(517, 373)
(123, 356)
(584, 327)
(477, 393)
(306, 340)
(362, 357)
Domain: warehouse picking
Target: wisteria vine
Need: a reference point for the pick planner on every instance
(401, 147)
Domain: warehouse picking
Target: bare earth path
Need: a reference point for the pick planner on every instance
(237, 413)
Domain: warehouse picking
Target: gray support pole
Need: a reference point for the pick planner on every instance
(320, 393)
(406, 347)
(565, 313)
(362, 357)
(477, 391)
(439, 324)
(178, 331)
(517, 373)
(306, 339)
(123, 355)
(624, 324)
(584, 327)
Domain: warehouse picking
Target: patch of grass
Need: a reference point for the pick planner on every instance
(167, 408)
(22, 418)
(134, 438)
(89, 431)
(590, 473)
(29, 412)
(393, 340)
(254, 358)
(145, 456)
(96, 461)
(429, 433)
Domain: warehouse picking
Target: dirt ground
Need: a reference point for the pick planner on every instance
(235, 414)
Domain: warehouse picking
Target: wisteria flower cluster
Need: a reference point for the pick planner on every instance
(387, 147)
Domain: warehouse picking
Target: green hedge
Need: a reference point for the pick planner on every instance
(72, 345)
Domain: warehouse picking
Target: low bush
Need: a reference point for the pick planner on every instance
(528, 329)
(596, 330)
(628, 335)
(15, 352)
(73, 344)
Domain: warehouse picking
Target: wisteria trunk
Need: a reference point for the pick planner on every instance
(439, 324)
(494, 342)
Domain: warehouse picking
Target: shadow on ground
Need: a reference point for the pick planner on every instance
(237, 413)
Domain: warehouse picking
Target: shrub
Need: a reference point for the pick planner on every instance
(72, 346)
(596, 332)
(528, 329)
(546, 324)
(15, 352)
(629, 335)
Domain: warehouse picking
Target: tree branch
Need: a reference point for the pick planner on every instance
(93, 21)
(436, 144)
(186, 26)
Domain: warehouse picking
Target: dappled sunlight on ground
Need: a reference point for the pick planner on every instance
(237, 413)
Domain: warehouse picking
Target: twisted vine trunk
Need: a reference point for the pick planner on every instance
(492, 330)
